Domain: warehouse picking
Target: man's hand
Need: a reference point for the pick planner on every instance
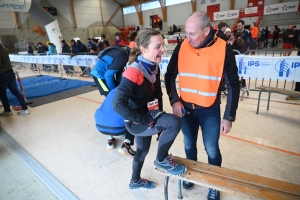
(225, 126)
(177, 109)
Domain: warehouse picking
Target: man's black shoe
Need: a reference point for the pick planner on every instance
(187, 185)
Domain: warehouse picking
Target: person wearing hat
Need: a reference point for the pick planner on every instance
(222, 28)
(118, 40)
(229, 36)
(89, 43)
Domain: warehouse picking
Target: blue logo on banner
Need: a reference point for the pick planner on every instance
(242, 66)
(284, 69)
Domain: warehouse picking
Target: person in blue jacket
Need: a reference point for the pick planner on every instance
(115, 126)
(52, 51)
(108, 70)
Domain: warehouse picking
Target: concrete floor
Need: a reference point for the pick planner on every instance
(62, 136)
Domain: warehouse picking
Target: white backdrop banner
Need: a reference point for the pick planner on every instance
(15, 5)
(79, 60)
(281, 8)
(251, 10)
(229, 14)
(281, 68)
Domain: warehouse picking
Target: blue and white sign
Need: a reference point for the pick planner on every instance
(281, 8)
(281, 68)
(80, 60)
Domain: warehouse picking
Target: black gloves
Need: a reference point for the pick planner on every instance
(156, 114)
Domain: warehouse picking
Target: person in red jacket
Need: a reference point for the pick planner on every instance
(118, 40)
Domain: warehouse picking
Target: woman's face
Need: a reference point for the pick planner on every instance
(227, 34)
(155, 49)
(117, 37)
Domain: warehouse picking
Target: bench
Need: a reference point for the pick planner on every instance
(231, 181)
(274, 90)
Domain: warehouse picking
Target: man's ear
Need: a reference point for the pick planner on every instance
(207, 30)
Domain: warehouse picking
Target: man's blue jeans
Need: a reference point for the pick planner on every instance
(209, 120)
(8, 80)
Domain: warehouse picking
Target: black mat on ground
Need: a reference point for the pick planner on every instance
(61, 95)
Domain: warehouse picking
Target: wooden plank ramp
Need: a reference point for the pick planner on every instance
(236, 182)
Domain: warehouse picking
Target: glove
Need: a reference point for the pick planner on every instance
(156, 114)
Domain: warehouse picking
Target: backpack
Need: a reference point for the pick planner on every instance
(125, 49)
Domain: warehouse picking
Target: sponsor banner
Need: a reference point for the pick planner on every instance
(281, 68)
(79, 60)
(251, 10)
(281, 8)
(15, 5)
(229, 14)
(54, 34)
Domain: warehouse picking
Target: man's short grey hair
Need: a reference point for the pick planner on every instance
(203, 17)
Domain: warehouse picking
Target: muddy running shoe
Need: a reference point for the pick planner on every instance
(111, 144)
(213, 194)
(142, 183)
(127, 150)
(170, 166)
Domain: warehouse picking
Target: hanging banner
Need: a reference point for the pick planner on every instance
(54, 34)
(79, 60)
(229, 14)
(281, 68)
(251, 10)
(281, 8)
(15, 5)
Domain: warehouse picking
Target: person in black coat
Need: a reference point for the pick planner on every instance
(30, 52)
(267, 32)
(275, 35)
(66, 49)
(222, 28)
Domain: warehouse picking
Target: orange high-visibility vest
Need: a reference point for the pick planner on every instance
(200, 72)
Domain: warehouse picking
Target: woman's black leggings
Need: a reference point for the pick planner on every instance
(168, 124)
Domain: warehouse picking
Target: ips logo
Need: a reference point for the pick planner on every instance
(242, 66)
(284, 69)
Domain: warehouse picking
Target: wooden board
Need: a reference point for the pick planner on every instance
(280, 90)
(236, 182)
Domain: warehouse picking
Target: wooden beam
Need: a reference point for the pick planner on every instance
(102, 20)
(73, 13)
(280, 1)
(138, 10)
(111, 17)
(131, 4)
(163, 10)
(118, 3)
(123, 17)
(16, 20)
(194, 5)
(231, 4)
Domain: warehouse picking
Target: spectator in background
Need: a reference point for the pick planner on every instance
(137, 29)
(105, 41)
(229, 36)
(222, 28)
(275, 35)
(266, 39)
(41, 48)
(170, 31)
(65, 49)
(95, 48)
(296, 36)
(89, 43)
(288, 39)
(175, 29)
(118, 40)
(254, 34)
(73, 47)
(132, 37)
(8, 81)
(239, 44)
(159, 22)
(246, 34)
(30, 52)
(82, 49)
(52, 51)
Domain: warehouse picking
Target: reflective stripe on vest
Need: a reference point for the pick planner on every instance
(213, 78)
(198, 92)
(200, 72)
